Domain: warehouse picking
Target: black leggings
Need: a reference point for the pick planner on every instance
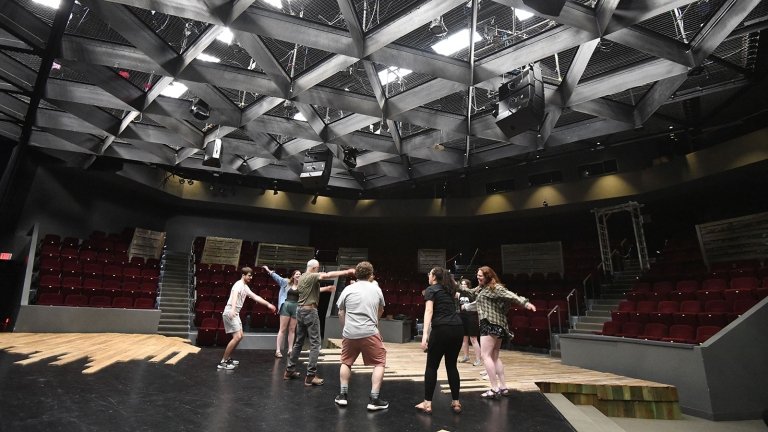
(444, 341)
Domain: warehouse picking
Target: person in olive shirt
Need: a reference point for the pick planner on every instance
(308, 320)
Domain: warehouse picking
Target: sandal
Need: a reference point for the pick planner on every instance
(503, 392)
(424, 408)
(490, 394)
(278, 354)
(456, 406)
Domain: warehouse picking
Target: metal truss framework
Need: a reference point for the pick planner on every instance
(82, 129)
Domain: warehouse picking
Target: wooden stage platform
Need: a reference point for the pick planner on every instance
(614, 395)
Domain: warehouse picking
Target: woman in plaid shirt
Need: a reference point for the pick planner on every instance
(493, 301)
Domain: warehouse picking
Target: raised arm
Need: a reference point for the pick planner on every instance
(259, 299)
(509, 295)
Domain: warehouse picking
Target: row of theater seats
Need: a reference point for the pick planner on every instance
(654, 331)
(96, 270)
(252, 313)
(530, 331)
(100, 301)
(221, 293)
(708, 289)
(692, 312)
(211, 332)
(93, 286)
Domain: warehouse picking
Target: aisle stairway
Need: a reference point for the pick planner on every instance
(174, 298)
(610, 296)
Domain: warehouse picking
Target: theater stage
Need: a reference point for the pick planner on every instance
(73, 382)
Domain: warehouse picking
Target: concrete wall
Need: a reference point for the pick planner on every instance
(64, 319)
(723, 379)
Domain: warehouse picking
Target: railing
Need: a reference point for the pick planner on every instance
(549, 323)
(574, 294)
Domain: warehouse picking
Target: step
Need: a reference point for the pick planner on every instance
(603, 307)
(167, 305)
(589, 327)
(174, 309)
(594, 319)
(174, 315)
(582, 420)
(606, 302)
(173, 328)
(174, 322)
(174, 296)
(598, 313)
(174, 288)
(583, 331)
(612, 296)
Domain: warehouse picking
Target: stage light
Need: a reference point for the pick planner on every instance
(437, 27)
(314, 199)
(226, 36)
(200, 109)
(274, 188)
(350, 157)
(190, 182)
(181, 181)
(174, 90)
(208, 58)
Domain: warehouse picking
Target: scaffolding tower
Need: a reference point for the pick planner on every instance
(601, 218)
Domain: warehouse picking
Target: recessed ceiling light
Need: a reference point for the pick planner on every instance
(208, 58)
(455, 42)
(53, 4)
(299, 116)
(522, 15)
(175, 90)
(274, 3)
(392, 73)
(226, 36)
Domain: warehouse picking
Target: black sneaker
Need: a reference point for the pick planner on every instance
(225, 365)
(341, 399)
(233, 362)
(377, 404)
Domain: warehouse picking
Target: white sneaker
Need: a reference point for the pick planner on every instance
(225, 365)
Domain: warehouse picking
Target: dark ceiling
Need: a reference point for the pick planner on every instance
(616, 71)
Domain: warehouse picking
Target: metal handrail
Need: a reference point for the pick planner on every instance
(568, 300)
(549, 322)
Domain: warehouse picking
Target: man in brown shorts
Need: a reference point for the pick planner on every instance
(360, 306)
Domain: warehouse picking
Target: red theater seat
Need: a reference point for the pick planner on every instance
(703, 333)
(122, 302)
(50, 299)
(144, 303)
(611, 328)
(654, 331)
(681, 333)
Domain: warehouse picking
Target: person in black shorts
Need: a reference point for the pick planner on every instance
(468, 315)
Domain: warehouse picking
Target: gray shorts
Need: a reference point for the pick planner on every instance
(231, 325)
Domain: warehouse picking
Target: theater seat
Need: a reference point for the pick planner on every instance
(206, 333)
(703, 333)
(681, 333)
(654, 331)
(611, 328)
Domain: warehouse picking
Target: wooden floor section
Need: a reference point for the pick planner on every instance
(100, 349)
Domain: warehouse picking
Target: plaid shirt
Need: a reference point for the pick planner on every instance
(493, 304)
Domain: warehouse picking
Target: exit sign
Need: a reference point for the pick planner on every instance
(5, 256)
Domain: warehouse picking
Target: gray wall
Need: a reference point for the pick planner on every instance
(182, 229)
(723, 379)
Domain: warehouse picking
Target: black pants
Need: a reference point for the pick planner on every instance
(444, 341)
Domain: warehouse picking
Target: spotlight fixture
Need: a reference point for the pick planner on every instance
(437, 27)
(181, 181)
(350, 157)
(200, 109)
(190, 182)
(274, 188)
(384, 126)
(314, 198)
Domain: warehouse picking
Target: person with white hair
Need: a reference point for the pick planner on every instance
(308, 320)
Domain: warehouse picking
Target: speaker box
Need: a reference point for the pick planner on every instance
(315, 174)
(547, 7)
(521, 102)
(213, 154)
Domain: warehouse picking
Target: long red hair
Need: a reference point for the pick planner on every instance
(491, 279)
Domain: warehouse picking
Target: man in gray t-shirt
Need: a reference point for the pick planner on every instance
(360, 306)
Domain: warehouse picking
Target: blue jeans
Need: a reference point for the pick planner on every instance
(308, 323)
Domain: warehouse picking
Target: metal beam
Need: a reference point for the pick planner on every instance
(347, 8)
(266, 61)
(730, 14)
(24, 25)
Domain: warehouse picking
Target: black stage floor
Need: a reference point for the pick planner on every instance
(194, 396)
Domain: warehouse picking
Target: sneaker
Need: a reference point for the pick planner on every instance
(464, 360)
(289, 375)
(341, 399)
(225, 365)
(477, 362)
(377, 404)
(233, 361)
(313, 380)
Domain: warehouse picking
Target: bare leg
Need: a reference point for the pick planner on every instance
(291, 332)
(487, 344)
(236, 336)
(281, 333)
(475, 346)
(499, 366)
(465, 347)
(376, 378)
(344, 373)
